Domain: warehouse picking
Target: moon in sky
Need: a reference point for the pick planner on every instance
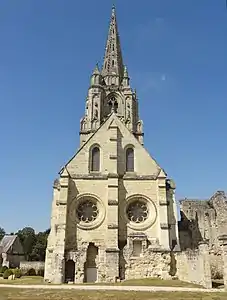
(163, 78)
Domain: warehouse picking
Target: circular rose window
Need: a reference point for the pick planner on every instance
(137, 211)
(87, 211)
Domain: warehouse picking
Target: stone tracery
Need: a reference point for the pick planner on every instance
(137, 211)
(87, 211)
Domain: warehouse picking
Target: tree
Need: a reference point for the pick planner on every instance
(28, 239)
(34, 244)
(39, 249)
(2, 233)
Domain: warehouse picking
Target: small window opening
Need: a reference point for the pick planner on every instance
(95, 159)
(130, 160)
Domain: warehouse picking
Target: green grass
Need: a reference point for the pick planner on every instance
(24, 280)
(158, 282)
(133, 282)
(151, 282)
(17, 294)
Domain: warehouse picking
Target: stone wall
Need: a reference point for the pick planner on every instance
(36, 265)
(194, 266)
(204, 220)
(189, 266)
(152, 264)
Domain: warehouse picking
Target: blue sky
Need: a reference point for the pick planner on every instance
(176, 57)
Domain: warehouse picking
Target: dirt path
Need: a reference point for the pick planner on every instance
(111, 288)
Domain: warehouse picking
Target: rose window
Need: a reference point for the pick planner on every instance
(137, 211)
(87, 211)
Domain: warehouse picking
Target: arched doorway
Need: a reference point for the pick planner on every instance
(70, 271)
(90, 268)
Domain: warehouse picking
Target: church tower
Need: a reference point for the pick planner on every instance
(110, 91)
(113, 211)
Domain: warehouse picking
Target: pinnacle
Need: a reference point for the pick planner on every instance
(96, 69)
(125, 72)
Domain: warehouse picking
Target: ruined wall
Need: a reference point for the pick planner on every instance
(38, 266)
(204, 220)
(194, 266)
(151, 264)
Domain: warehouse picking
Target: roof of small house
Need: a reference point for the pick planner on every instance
(7, 242)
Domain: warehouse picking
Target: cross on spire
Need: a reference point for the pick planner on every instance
(113, 62)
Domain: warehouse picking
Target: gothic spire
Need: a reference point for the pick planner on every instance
(113, 62)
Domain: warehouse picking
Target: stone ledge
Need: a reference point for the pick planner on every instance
(64, 185)
(61, 202)
(137, 235)
(165, 226)
(93, 176)
(138, 133)
(139, 177)
(112, 226)
(163, 203)
(112, 202)
(113, 139)
(112, 185)
(99, 176)
(112, 250)
(113, 175)
(111, 156)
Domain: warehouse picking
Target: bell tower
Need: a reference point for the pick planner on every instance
(110, 91)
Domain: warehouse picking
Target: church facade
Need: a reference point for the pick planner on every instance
(113, 205)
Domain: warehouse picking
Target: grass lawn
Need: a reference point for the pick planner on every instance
(24, 280)
(158, 282)
(133, 282)
(17, 294)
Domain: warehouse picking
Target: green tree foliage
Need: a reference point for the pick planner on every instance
(34, 244)
(2, 233)
(28, 239)
(39, 248)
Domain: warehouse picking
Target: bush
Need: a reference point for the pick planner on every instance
(17, 273)
(31, 272)
(7, 273)
(1, 274)
(2, 269)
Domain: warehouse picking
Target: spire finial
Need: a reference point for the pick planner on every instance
(113, 8)
(113, 62)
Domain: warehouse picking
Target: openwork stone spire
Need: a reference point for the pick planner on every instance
(113, 62)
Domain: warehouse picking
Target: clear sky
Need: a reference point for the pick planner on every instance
(176, 56)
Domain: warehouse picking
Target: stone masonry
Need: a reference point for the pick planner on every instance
(113, 206)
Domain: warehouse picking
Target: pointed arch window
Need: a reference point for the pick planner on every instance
(95, 159)
(130, 160)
